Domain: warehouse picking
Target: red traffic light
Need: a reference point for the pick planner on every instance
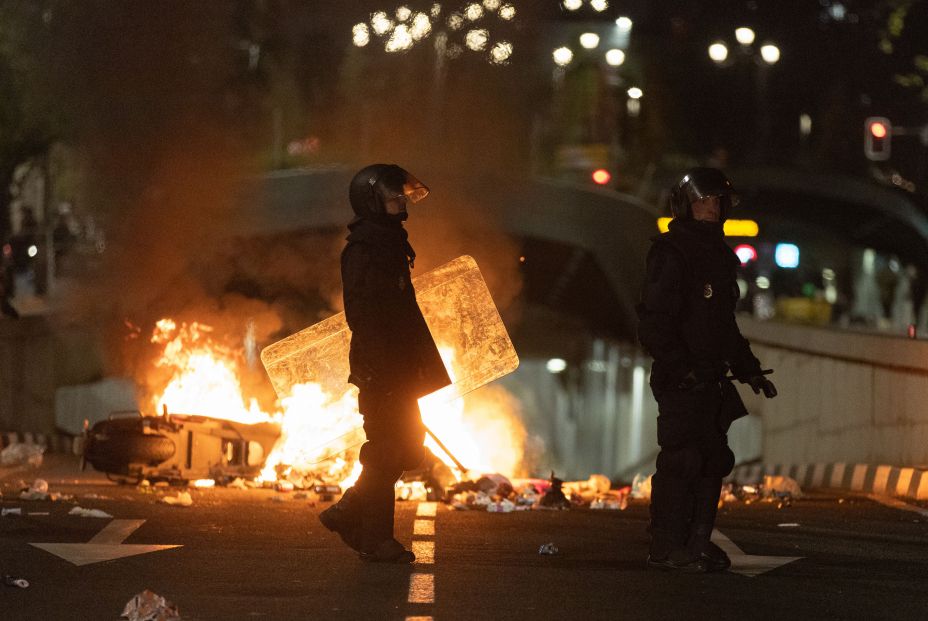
(878, 134)
(878, 129)
(601, 176)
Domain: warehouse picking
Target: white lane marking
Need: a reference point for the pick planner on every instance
(421, 589)
(423, 527)
(749, 564)
(424, 551)
(427, 509)
(897, 504)
(104, 546)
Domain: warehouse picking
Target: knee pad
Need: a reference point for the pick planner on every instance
(681, 463)
(719, 462)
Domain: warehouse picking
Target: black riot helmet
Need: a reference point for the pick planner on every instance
(376, 184)
(699, 183)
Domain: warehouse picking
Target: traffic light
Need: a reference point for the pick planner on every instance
(878, 134)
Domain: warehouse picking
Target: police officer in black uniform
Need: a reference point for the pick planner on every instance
(687, 324)
(393, 359)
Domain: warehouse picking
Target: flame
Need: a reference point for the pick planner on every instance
(321, 433)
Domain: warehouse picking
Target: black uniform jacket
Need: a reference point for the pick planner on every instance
(687, 310)
(392, 350)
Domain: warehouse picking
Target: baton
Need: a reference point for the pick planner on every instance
(442, 446)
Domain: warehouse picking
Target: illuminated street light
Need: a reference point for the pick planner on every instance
(477, 39)
(615, 57)
(403, 13)
(635, 92)
(455, 21)
(805, 124)
(563, 56)
(507, 12)
(381, 23)
(361, 35)
(32, 251)
(473, 12)
(624, 24)
(491, 5)
(556, 365)
(589, 40)
(501, 53)
(599, 5)
(421, 26)
(400, 40)
(744, 35)
(435, 11)
(572, 5)
(770, 53)
(718, 52)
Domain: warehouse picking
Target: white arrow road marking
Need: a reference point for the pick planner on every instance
(749, 564)
(104, 546)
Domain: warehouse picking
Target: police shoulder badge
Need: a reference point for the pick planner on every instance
(707, 291)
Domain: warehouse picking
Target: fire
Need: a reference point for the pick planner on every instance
(321, 433)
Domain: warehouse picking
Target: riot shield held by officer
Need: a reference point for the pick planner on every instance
(687, 324)
(393, 359)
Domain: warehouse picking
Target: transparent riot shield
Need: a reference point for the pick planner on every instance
(460, 314)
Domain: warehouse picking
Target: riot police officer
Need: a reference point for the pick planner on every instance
(687, 324)
(393, 359)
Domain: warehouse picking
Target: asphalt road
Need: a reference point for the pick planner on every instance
(257, 554)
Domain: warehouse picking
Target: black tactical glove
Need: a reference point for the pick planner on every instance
(759, 383)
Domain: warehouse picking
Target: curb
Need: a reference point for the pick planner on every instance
(865, 478)
(53, 443)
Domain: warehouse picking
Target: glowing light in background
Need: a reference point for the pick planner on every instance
(563, 56)
(473, 12)
(501, 53)
(401, 39)
(507, 12)
(572, 5)
(361, 35)
(745, 36)
(786, 256)
(556, 365)
(32, 251)
(421, 26)
(589, 40)
(381, 23)
(455, 21)
(477, 39)
(624, 24)
(635, 92)
(403, 13)
(615, 57)
(435, 10)
(770, 53)
(491, 5)
(601, 176)
(599, 5)
(718, 52)
(746, 253)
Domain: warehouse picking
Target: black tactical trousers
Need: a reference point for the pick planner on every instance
(693, 460)
(395, 437)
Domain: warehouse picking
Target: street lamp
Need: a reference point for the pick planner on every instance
(572, 5)
(718, 52)
(635, 92)
(589, 40)
(745, 36)
(615, 57)
(563, 56)
(599, 5)
(770, 53)
(624, 24)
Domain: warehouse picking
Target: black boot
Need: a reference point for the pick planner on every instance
(671, 509)
(377, 542)
(344, 518)
(704, 513)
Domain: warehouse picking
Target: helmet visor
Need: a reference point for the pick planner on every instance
(696, 186)
(398, 183)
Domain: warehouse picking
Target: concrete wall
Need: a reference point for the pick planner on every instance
(844, 396)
